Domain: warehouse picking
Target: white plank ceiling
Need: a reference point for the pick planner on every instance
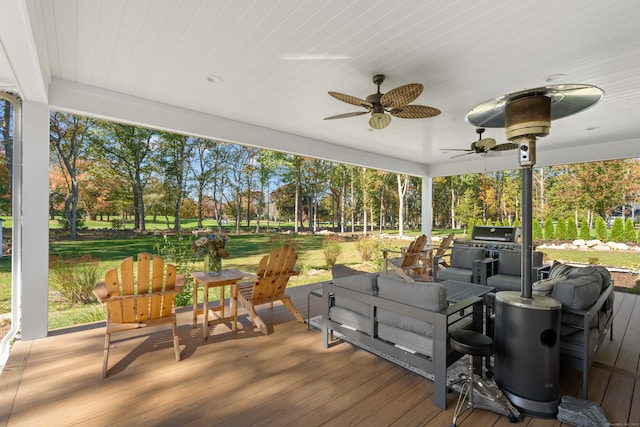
(278, 59)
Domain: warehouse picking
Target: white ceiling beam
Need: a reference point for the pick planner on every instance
(108, 105)
(24, 48)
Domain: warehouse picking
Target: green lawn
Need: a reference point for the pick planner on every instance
(110, 247)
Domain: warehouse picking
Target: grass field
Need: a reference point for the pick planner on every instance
(110, 247)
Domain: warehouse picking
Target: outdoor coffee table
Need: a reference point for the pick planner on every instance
(227, 277)
(458, 291)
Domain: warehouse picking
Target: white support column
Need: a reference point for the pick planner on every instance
(35, 220)
(427, 206)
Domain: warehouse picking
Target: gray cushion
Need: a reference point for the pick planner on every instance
(401, 321)
(339, 270)
(459, 274)
(430, 296)
(419, 343)
(510, 261)
(578, 292)
(560, 269)
(350, 318)
(544, 287)
(505, 282)
(366, 282)
(463, 257)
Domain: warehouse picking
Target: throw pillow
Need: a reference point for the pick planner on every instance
(545, 286)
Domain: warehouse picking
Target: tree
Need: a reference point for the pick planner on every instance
(629, 231)
(601, 229)
(617, 230)
(209, 156)
(127, 149)
(403, 185)
(549, 231)
(572, 229)
(585, 232)
(7, 144)
(174, 157)
(68, 138)
(561, 229)
(536, 230)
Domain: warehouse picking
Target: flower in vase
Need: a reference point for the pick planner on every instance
(211, 245)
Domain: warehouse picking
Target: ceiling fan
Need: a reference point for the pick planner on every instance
(484, 146)
(384, 105)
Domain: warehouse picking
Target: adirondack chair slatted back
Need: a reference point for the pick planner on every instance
(412, 254)
(142, 305)
(444, 245)
(274, 271)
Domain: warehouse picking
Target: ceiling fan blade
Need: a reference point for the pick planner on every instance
(505, 146)
(351, 100)
(463, 154)
(401, 96)
(485, 144)
(414, 112)
(446, 150)
(343, 116)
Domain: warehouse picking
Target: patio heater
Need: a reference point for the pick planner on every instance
(527, 358)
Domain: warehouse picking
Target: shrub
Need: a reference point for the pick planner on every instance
(635, 289)
(331, 250)
(516, 223)
(561, 229)
(601, 229)
(489, 223)
(572, 229)
(178, 252)
(549, 232)
(498, 223)
(73, 279)
(536, 230)
(117, 224)
(479, 222)
(629, 231)
(617, 230)
(585, 232)
(366, 247)
(470, 225)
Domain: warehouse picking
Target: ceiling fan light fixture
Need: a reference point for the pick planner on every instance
(380, 120)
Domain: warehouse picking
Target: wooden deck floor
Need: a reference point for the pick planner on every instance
(285, 378)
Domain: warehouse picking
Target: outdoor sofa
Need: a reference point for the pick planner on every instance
(407, 323)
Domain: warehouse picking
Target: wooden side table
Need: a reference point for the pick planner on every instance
(228, 277)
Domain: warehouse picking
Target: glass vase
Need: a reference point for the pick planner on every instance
(212, 264)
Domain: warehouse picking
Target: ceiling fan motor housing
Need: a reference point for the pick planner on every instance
(526, 119)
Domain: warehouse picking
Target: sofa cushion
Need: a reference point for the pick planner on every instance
(544, 287)
(419, 343)
(397, 320)
(463, 257)
(509, 262)
(430, 296)
(339, 270)
(459, 274)
(559, 269)
(505, 282)
(578, 292)
(364, 282)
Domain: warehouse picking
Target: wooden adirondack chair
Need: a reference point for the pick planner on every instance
(274, 271)
(134, 304)
(440, 252)
(413, 262)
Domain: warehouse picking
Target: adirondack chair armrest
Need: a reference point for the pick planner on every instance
(101, 293)
(180, 281)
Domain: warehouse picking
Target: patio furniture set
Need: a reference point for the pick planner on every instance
(410, 323)
(147, 299)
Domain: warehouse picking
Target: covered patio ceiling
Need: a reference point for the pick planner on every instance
(152, 63)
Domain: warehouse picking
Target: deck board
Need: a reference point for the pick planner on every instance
(246, 378)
